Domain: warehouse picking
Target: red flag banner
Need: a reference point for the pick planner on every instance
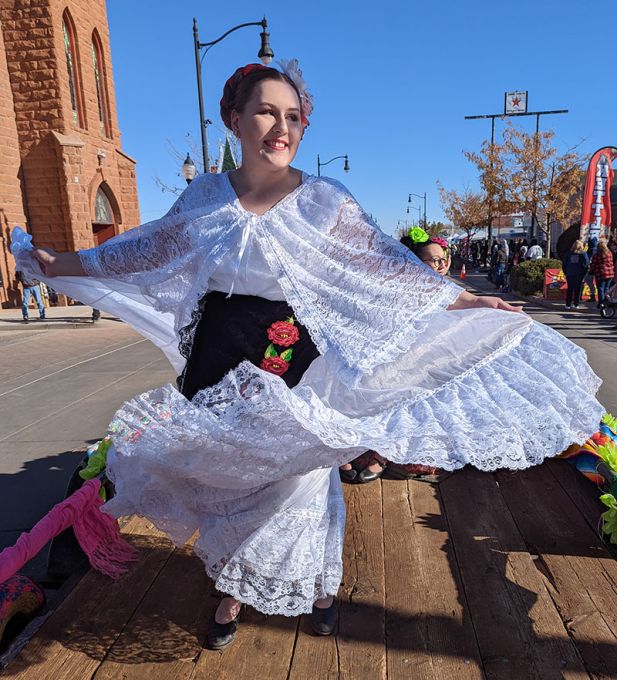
(596, 218)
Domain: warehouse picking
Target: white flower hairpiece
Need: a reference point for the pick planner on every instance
(292, 70)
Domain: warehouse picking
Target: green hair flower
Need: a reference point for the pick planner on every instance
(418, 235)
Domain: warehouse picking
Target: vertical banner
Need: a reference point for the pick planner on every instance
(596, 217)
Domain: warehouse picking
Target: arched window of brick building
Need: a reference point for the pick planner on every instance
(72, 66)
(101, 84)
(104, 223)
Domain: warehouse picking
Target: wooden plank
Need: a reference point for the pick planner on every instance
(72, 643)
(358, 650)
(579, 572)
(165, 635)
(584, 493)
(428, 629)
(361, 630)
(520, 633)
(262, 649)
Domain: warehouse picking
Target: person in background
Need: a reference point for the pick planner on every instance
(31, 288)
(575, 267)
(476, 254)
(590, 248)
(485, 252)
(501, 261)
(603, 270)
(535, 251)
(522, 251)
(612, 246)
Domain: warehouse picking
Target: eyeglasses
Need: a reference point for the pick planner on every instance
(436, 262)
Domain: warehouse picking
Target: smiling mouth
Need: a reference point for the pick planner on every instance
(276, 144)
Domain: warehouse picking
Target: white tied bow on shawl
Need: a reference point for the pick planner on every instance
(362, 295)
(247, 231)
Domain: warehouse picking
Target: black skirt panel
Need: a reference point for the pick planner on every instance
(235, 329)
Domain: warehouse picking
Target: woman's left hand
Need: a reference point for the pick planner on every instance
(468, 301)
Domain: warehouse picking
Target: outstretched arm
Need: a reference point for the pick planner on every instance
(58, 264)
(467, 300)
(142, 249)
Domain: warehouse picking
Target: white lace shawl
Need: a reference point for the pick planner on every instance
(362, 295)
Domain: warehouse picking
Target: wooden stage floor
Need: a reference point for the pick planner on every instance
(480, 576)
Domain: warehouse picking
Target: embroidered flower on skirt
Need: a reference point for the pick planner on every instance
(274, 365)
(284, 334)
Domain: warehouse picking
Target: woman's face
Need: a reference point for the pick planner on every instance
(435, 257)
(270, 127)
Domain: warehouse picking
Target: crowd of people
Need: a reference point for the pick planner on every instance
(591, 262)
(499, 256)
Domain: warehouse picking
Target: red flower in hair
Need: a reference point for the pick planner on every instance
(237, 76)
(274, 365)
(440, 241)
(283, 333)
(252, 67)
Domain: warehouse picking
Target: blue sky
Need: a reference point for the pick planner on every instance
(392, 82)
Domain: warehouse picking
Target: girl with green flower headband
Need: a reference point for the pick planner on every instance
(432, 251)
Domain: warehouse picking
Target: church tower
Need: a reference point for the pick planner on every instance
(65, 176)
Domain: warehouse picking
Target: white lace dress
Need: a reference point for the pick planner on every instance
(250, 463)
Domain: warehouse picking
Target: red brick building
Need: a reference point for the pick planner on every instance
(63, 173)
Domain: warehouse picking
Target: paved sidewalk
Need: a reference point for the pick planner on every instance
(57, 318)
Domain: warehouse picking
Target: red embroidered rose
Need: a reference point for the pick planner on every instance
(274, 365)
(283, 333)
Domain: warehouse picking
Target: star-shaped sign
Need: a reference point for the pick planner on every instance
(516, 102)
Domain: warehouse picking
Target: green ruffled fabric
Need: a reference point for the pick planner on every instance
(96, 464)
(608, 453)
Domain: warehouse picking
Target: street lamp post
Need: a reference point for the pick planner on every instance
(423, 197)
(320, 164)
(419, 209)
(188, 169)
(265, 54)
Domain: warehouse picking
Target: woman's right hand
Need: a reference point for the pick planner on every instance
(47, 258)
(58, 264)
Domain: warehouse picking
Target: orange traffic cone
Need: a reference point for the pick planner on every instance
(463, 271)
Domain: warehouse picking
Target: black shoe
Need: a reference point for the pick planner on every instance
(366, 475)
(42, 317)
(323, 621)
(221, 634)
(348, 476)
(26, 320)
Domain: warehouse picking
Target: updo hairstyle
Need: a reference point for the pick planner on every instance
(239, 88)
(417, 247)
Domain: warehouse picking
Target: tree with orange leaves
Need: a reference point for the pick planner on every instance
(525, 173)
(467, 209)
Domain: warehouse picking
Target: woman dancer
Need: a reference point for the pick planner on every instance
(249, 265)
